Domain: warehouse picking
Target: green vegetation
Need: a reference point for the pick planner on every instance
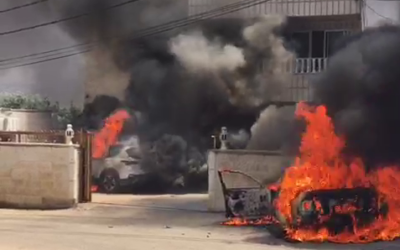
(67, 115)
(33, 102)
(26, 102)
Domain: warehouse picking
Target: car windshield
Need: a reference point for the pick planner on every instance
(115, 150)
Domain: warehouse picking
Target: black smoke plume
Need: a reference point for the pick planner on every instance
(185, 84)
(361, 90)
(277, 129)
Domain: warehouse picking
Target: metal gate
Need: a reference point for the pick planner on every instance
(84, 139)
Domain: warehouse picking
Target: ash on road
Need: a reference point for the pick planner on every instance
(140, 222)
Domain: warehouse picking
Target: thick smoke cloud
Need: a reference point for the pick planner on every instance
(108, 29)
(361, 92)
(277, 129)
(198, 55)
(186, 84)
(235, 68)
(203, 79)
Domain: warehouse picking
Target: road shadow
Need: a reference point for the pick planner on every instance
(184, 202)
(156, 190)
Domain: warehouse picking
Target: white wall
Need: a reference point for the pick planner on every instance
(377, 12)
(43, 176)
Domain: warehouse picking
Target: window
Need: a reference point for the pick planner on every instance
(315, 44)
(331, 37)
(301, 42)
(312, 48)
(115, 150)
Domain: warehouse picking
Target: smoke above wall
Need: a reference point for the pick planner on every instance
(360, 90)
(276, 129)
(184, 85)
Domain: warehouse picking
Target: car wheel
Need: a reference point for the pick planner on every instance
(109, 181)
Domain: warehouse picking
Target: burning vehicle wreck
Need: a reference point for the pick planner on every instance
(343, 185)
(245, 202)
(122, 162)
(116, 164)
(312, 202)
(337, 210)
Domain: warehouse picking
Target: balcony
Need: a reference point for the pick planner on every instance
(283, 7)
(301, 70)
(308, 65)
(303, 66)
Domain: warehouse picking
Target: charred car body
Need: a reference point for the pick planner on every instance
(337, 210)
(123, 169)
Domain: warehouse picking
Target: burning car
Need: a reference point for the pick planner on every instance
(116, 162)
(121, 168)
(337, 211)
(323, 196)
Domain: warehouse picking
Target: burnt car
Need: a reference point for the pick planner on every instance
(337, 210)
(249, 203)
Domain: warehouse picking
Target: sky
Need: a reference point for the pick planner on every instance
(377, 12)
(59, 80)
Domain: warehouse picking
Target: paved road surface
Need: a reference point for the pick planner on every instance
(140, 222)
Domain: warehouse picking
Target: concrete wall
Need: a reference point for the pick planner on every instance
(42, 176)
(266, 167)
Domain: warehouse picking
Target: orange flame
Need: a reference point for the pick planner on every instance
(108, 135)
(268, 220)
(321, 166)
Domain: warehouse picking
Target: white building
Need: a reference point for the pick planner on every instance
(314, 26)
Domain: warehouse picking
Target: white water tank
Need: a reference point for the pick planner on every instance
(26, 120)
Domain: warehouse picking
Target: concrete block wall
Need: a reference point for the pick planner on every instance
(266, 167)
(38, 175)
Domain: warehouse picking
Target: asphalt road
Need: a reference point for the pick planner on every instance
(140, 222)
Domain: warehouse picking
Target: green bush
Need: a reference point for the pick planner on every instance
(26, 102)
(67, 115)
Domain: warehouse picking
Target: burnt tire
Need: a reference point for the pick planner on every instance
(109, 182)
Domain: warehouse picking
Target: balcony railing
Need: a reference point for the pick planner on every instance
(283, 7)
(301, 66)
(308, 65)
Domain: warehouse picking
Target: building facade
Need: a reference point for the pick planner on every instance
(313, 27)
